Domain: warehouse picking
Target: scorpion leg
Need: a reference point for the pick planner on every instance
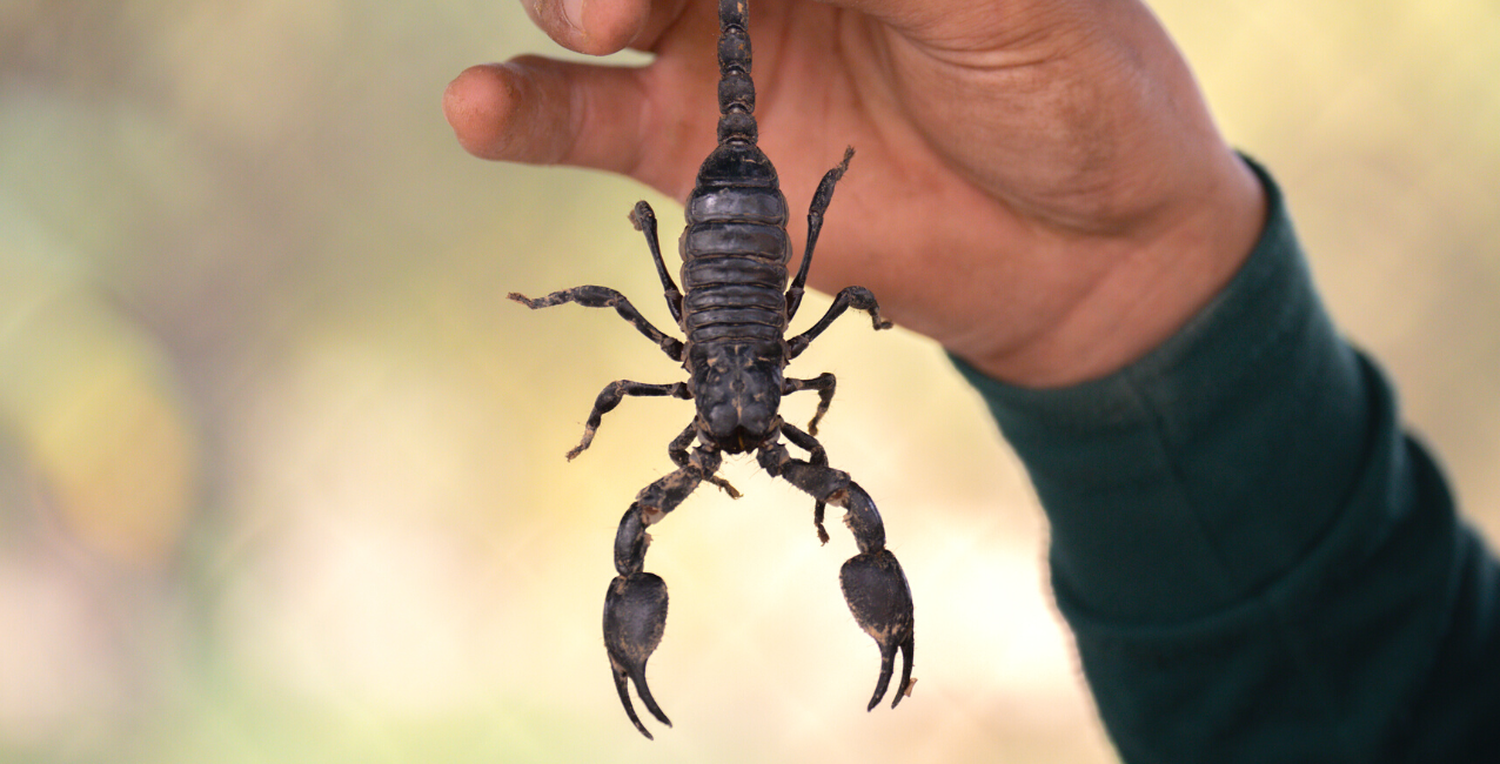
(635, 607)
(824, 384)
(644, 220)
(874, 585)
(604, 297)
(819, 458)
(856, 297)
(820, 201)
(611, 396)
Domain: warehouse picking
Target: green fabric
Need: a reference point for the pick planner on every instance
(1257, 563)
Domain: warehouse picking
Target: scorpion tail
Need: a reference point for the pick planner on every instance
(736, 89)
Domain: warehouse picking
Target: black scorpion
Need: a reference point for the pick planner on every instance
(735, 314)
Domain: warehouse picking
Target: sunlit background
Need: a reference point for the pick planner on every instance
(281, 471)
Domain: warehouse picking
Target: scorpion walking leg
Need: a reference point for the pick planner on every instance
(874, 584)
(644, 220)
(635, 607)
(820, 201)
(856, 297)
(819, 458)
(824, 384)
(611, 396)
(604, 297)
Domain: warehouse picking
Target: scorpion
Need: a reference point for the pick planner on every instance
(735, 308)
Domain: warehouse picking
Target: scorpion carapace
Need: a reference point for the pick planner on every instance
(734, 308)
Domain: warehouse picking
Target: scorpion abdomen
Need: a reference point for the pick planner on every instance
(734, 296)
(724, 201)
(735, 252)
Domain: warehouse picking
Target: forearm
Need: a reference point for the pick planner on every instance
(1257, 563)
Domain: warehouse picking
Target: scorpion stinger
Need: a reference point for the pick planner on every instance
(734, 308)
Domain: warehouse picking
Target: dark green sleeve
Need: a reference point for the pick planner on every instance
(1257, 563)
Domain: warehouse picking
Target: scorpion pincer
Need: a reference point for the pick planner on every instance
(734, 309)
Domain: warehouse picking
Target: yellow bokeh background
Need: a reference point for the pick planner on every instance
(281, 472)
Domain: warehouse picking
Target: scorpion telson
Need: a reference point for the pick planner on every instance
(734, 309)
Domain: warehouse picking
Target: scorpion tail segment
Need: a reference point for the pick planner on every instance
(880, 599)
(635, 614)
(736, 89)
(734, 49)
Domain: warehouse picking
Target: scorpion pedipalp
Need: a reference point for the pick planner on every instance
(880, 599)
(635, 615)
(635, 607)
(873, 582)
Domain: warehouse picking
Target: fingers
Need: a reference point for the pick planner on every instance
(589, 26)
(601, 27)
(540, 111)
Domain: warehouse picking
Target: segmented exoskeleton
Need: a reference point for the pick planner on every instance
(735, 309)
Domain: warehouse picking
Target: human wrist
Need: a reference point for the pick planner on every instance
(1159, 280)
(1258, 378)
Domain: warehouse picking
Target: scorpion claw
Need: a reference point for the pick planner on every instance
(880, 599)
(635, 614)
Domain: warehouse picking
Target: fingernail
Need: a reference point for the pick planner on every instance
(573, 12)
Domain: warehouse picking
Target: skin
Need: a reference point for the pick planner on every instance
(1038, 185)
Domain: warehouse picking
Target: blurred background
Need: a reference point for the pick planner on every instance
(281, 470)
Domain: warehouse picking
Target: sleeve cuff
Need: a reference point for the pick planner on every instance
(1197, 475)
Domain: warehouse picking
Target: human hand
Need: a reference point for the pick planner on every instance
(1038, 184)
